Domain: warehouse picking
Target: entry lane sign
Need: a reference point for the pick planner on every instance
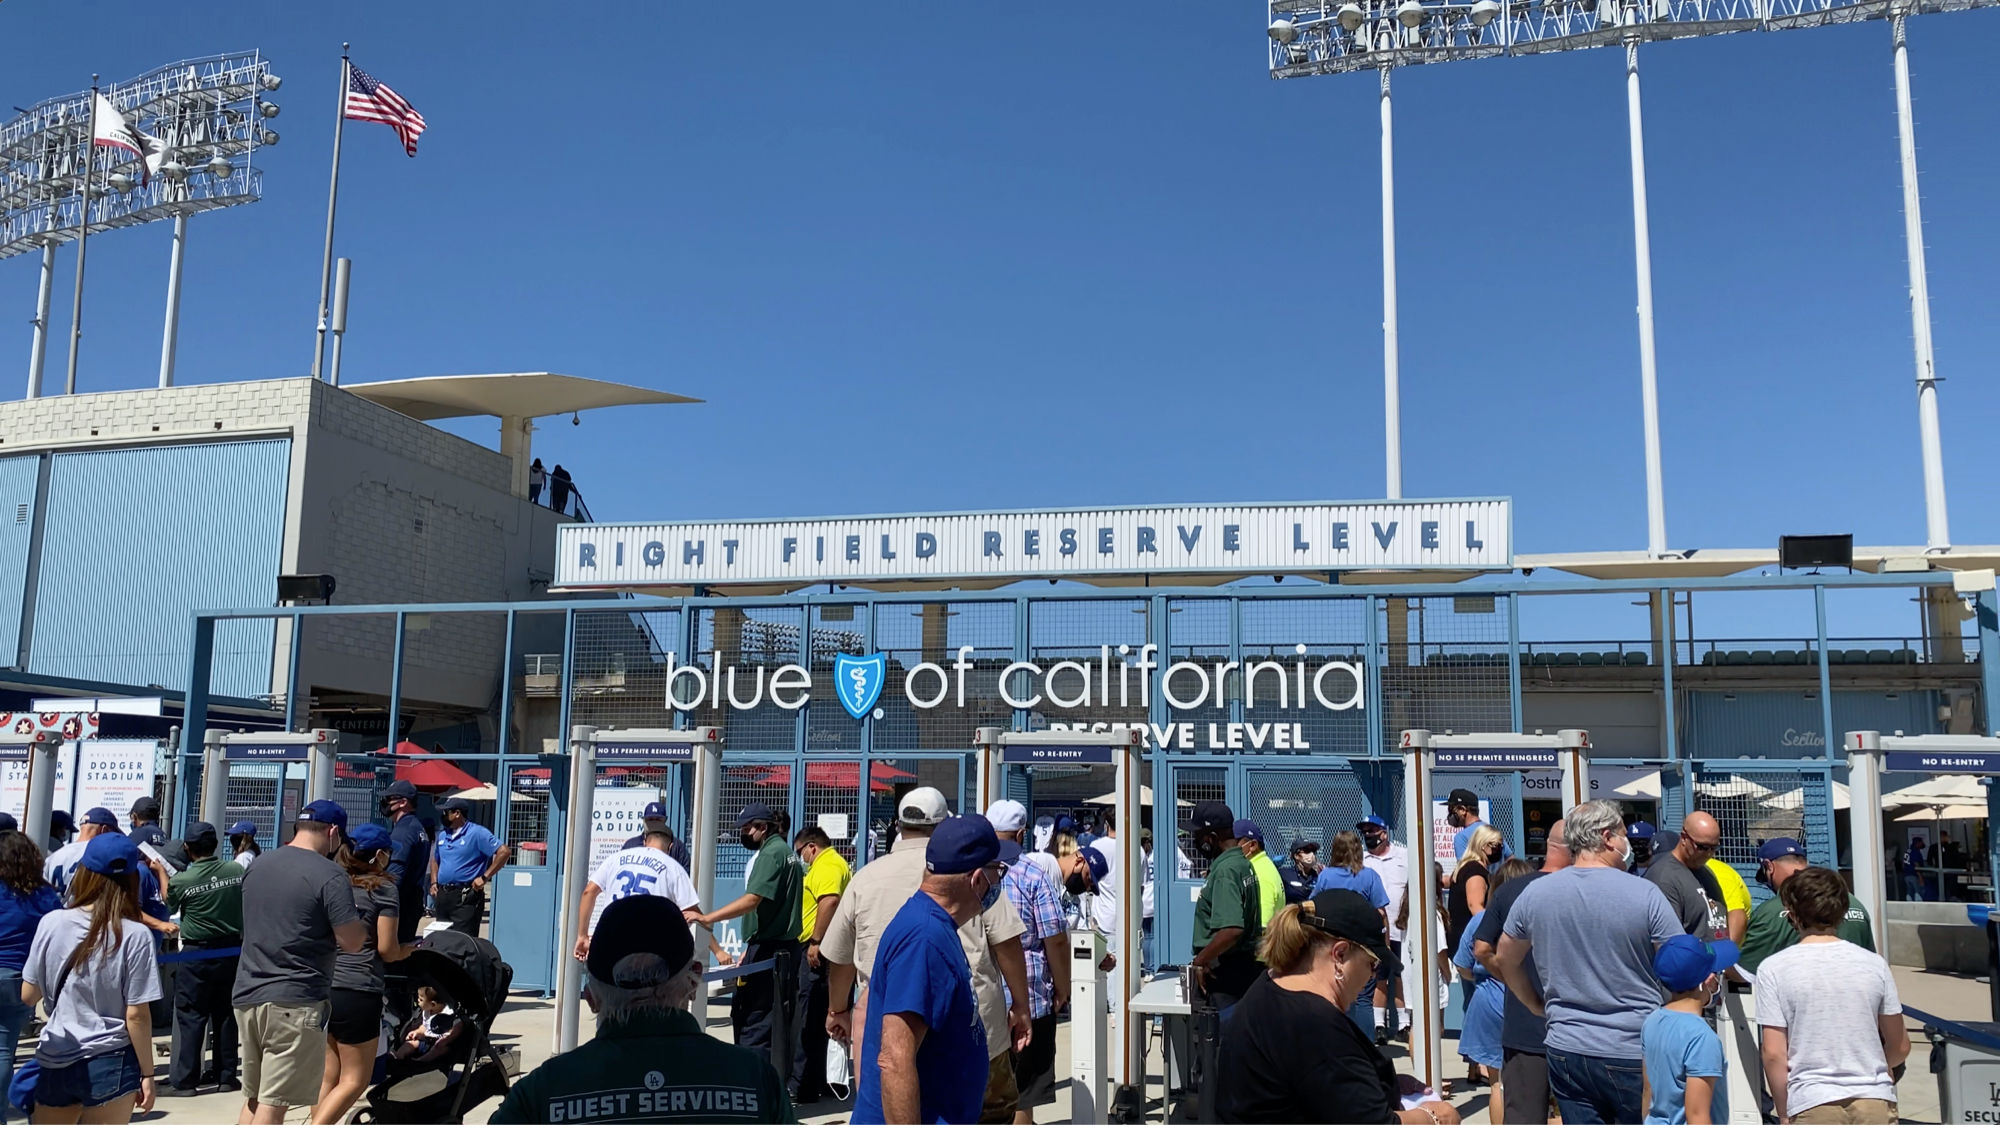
(1496, 759)
(1056, 755)
(648, 751)
(1946, 761)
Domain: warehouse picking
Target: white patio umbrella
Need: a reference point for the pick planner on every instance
(1943, 789)
(484, 792)
(1795, 798)
(1945, 812)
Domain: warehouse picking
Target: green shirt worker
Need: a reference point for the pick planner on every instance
(209, 897)
(1771, 928)
(1229, 916)
(650, 1060)
(773, 894)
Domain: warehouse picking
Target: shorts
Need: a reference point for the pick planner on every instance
(284, 1052)
(1849, 1111)
(1001, 1093)
(1524, 1089)
(1035, 1068)
(356, 1017)
(92, 1081)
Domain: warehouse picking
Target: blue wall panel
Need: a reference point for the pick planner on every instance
(17, 488)
(139, 539)
(1748, 723)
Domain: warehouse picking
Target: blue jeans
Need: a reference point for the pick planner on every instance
(14, 1016)
(1596, 1091)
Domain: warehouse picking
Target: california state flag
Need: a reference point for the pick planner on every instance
(109, 129)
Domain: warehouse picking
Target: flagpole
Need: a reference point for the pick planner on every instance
(82, 236)
(332, 197)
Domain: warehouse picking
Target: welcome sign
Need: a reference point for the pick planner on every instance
(1048, 543)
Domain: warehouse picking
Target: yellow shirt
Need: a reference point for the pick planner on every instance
(1270, 885)
(828, 875)
(1735, 893)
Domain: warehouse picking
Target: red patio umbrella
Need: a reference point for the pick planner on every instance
(430, 771)
(839, 775)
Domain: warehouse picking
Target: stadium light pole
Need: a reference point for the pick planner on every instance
(38, 352)
(1642, 253)
(1392, 395)
(1937, 531)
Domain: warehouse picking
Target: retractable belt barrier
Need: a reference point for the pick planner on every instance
(199, 955)
(1954, 1029)
(725, 972)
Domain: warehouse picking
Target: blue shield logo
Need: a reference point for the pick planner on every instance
(858, 681)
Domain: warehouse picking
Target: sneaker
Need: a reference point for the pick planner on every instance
(175, 1091)
(1381, 1035)
(229, 1085)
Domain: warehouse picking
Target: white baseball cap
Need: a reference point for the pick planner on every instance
(1007, 816)
(922, 806)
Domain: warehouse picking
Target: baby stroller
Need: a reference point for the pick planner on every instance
(442, 1091)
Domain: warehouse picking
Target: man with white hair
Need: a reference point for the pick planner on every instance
(991, 941)
(650, 1059)
(1594, 929)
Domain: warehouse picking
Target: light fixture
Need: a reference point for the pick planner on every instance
(268, 109)
(270, 81)
(1484, 11)
(119, 181)
(1350, 16)
(1282, 31)
(268, 137)
(1295, 53)
(219, 166)
(173, 170)
(1410, 13)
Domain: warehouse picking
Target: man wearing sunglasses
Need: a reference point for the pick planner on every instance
(1682, 875)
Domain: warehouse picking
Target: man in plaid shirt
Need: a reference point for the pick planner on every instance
(1046, 946)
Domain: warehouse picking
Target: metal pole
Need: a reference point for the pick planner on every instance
(214, 780)
(332, 197)
(170, 338)
(1864, 791)
(1420, 936)
(1392, 408)
(82, 235)
(40, 351)
(319, 765)
(42, 769)
(1642, 246)
(576, 869)
(1937, 532)
(342, 270)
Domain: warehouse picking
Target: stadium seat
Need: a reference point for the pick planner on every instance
(1545, 659)
(1880, 656)
(1567, 660)
(1637, 659)
(1736, 656)
(1709, 659)
(1857, 656)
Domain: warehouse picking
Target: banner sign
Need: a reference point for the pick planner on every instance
(72, 725)
(617, 813)
(111, 773)
(1954, 761)
(1442, 833)
(646, 751)
(1056, 755)
(266, 751)
(1394, 535)
(1496, 759)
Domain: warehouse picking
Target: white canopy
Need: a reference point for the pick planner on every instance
(1945, 812)
(1944, 789)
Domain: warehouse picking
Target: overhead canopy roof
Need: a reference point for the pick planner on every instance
(524, 394)
(1722, 563)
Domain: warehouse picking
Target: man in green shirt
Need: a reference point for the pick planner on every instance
(1771, 928)
(650, 1061)
(769, 906)
(209, 897)
(1229, 916)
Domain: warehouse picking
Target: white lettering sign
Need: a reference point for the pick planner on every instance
(1272, 538)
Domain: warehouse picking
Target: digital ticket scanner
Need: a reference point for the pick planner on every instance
(1107, 1059)
(316, 748)
(1567, 750)
(588, 746)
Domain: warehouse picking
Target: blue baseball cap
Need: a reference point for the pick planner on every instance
(8, 823)
(101, 816)
(1247, 830)
(243, 828)
(1100, 867)
(1779, 848)
(1638, 830)
(324, 812)
(1065, 823)
(59, 821)
(1685, 961)
(1010, 852)
(654, 811)
(367, 838)
(1371, 821)
(961, 844)
(755, 811)
(111, 853)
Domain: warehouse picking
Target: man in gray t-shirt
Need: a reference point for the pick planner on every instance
(1682, 875)
(1593, 929)
(298, 910)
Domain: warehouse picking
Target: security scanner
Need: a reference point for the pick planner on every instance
(38, 750)
(700, 747)
(1567, 750)
(1107, 1059)
(315, 748)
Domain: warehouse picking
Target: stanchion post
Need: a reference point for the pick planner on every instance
(1420, 936)
(576, 869)
(986, 744)
(319, 764)
(41, 784)
(1864, 785)
(1574, 755)
(1129, 1064)
(704, 829)
(214, 779)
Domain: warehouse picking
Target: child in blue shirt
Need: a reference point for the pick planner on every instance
(1686, 1077)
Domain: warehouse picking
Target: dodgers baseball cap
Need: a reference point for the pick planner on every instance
(961, 844)
(1345, 914)
(243, 828)
(367, 838)
(324, 812)
(454, 804)
(147, 807)
(639, 924)
(59, 821)
(403, 789)
(1007, 816)
(1210, 816)
(1462, 799)
(1065, 824)
(1779, 848)
(1304, 846)
(111, 853)
(1371, 821)
(753, 812)
(101, 816)
(199, 832)
(1684, 961)
(921, 807)
(1100, 867)
(1010, 852)
(655, 810)
(1247, 830)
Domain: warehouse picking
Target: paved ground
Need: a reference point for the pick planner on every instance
(527, 1027)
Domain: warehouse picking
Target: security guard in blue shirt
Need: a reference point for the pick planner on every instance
(466, 858)
(650, 1061)
(1300, 871)
(409, 855)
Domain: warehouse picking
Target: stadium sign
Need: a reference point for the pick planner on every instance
(1054, 543)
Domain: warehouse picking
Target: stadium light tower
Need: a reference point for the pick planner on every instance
(210, 116)
(1313, 37)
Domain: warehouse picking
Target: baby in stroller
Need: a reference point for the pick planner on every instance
(432, 1031)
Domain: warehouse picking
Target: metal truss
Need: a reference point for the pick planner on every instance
(212, 113)
(1333, 37)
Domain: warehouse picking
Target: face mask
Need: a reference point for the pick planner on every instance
(1075, 884)
(1631, 859)
(747, 840)
(1764, 875)
(992, 894)
(1208, 847)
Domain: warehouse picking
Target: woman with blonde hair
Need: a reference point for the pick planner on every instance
(1291, 1053)
(1472, 880)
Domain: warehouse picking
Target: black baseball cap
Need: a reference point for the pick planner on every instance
(1462, 799)
(753, 812)
(455, 804)
(1210, 816)
(147, 807)
(200, 832)
(639, 924)
(1346, 914)
(401, 789)
(1305, 846)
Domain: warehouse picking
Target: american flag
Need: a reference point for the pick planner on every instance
(369, 100)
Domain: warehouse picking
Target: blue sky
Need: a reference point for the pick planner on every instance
(958, 258)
